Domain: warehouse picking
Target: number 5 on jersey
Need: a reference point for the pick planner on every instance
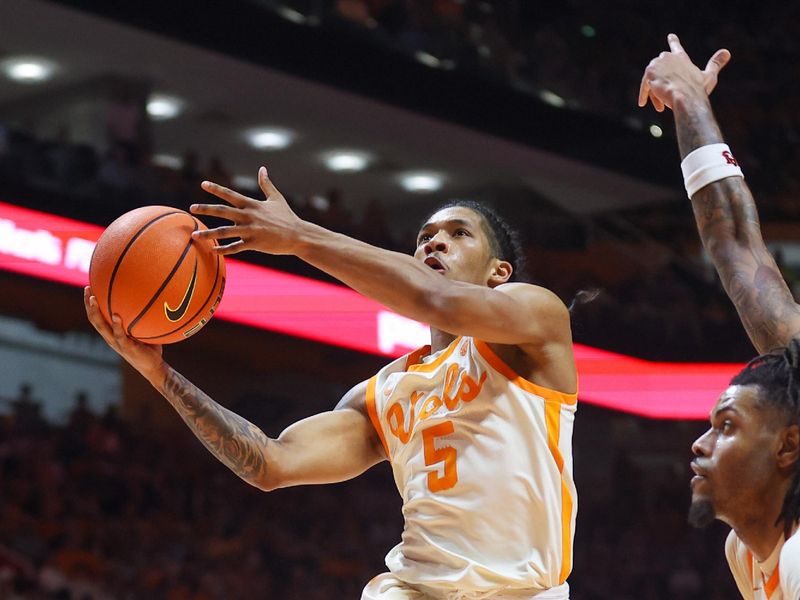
(433, 456)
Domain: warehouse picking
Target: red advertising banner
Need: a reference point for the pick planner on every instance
(59, 249)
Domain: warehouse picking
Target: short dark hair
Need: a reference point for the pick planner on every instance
(777, 373)
(504, 239)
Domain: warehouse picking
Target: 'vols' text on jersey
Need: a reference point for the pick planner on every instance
(483, 461)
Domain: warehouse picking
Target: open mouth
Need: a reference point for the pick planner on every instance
(434, 264)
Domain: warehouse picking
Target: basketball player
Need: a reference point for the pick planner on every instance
(477, 426)
(747, 464)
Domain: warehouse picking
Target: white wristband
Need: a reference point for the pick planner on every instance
(708, 164)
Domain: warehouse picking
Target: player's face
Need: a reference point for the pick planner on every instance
(454, 243)
(734, 460)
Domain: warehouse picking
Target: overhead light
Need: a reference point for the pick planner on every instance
(427, 59)
(161, 107)
(421, 182)
(168, 161)
(347, 161)
(28, 69)
(656, 131)
(270, 138)
(292, 15)
(588, 31)
(245, 182)
(552, 99)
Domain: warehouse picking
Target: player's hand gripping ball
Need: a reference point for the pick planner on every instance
(147, 269)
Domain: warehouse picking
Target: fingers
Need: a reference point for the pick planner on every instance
(717, 62)
(234, 198)
(232, 248)
(218, 233)
(266, 185)
(675, 44)
(96, 318)
(644, 91)
(215, 210)
(658, 104)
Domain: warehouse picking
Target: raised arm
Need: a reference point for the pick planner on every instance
(325, 448)
(514, 314)
(724, 210)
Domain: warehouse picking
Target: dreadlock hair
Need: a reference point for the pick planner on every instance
(504, 240)
(778, 375)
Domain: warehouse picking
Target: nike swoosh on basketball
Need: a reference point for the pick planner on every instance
(176, 314)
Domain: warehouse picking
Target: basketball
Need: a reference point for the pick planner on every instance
(146, 268)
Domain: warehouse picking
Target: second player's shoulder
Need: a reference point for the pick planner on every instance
(790, 567)
(735, 551)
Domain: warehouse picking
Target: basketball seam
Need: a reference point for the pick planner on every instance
(210, 295)
(166, 281)
(125, 251)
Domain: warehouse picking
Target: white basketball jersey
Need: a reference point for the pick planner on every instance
(777, 578)
(483, 461)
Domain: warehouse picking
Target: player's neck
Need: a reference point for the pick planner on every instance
(760, 532)
(440, 339)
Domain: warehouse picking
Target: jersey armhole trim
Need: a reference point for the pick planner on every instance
(373, 414)
(501, 367)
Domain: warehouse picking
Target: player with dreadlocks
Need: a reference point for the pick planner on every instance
(747, 465)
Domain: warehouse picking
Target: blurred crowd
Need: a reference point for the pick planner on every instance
(96, 509)
(590, 56)
(647, 264)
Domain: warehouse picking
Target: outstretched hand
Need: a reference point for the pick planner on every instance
(145, 358)
(267, 225)
(672, 74)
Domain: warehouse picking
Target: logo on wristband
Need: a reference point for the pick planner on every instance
(729, 158)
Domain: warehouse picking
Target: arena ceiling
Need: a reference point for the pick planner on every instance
(226, 96)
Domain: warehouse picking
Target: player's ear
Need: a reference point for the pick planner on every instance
(789, 451)
(501, 272)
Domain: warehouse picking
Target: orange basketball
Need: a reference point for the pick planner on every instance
(163, 284)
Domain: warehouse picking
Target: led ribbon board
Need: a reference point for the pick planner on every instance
(59, 249)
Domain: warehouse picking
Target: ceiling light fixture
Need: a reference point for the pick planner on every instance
(268, 138)
(28, 69)
(552, 99)
(421, 183)
(162, 107)
(168, 161)
(347, 161)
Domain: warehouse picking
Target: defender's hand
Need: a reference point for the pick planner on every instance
(145, 358)
(264, 225)
(672, 74)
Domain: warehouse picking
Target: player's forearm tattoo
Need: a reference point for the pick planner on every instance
(235, 441)
(728, 223)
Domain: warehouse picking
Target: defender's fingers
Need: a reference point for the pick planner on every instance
(644, 91)
(675, 44)
(717, 62)
(231, 197)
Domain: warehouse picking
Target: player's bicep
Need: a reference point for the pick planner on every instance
(329, 447)
(514, 313)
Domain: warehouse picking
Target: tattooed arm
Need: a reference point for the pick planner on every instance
(325, 448)
(724, 210)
